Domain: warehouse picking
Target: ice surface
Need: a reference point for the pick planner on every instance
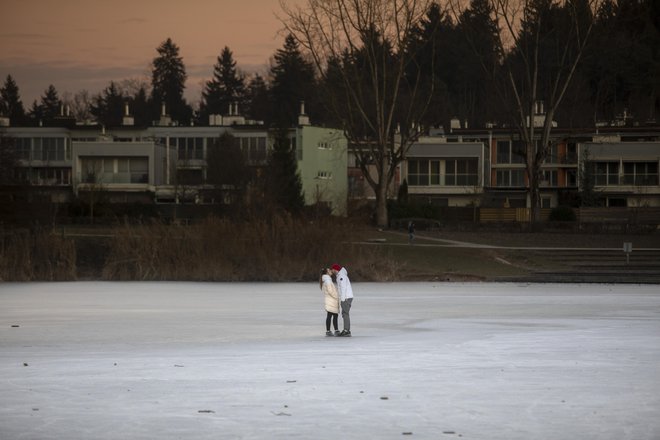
(171, 360)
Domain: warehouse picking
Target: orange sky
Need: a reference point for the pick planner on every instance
(84, 44)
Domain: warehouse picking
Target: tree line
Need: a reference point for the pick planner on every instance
(619, 73)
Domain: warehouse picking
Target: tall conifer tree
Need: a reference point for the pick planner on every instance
(168, 83)
(293, 81)
(10, 102)
(226, 88)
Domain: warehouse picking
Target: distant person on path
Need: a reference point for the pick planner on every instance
(345, 296)
(331, 301)
(411, 232)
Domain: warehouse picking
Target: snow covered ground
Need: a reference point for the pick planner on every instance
(92, 360)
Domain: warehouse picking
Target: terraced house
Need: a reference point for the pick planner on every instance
(487, 168)
(164, 163)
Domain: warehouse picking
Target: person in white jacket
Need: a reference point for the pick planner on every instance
(345, 297)
(331, 301)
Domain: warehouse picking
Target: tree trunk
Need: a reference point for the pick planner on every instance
(381, 205)
(534, 198)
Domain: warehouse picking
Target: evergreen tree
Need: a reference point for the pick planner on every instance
(139, 107)
(258, 103)
(227, 169)
(168, 83)
(624, 60)
(48, 107)
(293, 81)
(477, 55)
(10, 102)
(51, 103)
(283, 183)
(226, 87)
(431, 46)
(108, 106)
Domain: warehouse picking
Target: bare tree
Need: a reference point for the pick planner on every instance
(541, 44)
(80, 105)
(362, 50)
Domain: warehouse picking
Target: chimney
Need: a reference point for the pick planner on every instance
(128, 119)
(303, 119)
(164, 117)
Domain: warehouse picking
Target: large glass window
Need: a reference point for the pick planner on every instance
(449, 172)
(254, 149)
(640, 173)
(106, 170)
(189, 148)
(606, 173)
(435, 172)
(510, 178)
(23, 146)
(418, 172)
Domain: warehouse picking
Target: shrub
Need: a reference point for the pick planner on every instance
(36, 255)
(562, 214)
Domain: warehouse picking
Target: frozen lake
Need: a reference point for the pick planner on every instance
(92, 360)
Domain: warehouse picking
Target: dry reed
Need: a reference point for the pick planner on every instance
(36, 255)
(277, 248)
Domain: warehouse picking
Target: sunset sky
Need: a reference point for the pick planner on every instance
(84, 44)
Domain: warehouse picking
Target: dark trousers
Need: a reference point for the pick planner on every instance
(334, 317)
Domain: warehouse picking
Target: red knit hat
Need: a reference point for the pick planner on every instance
(335, 267)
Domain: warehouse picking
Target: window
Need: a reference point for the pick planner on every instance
(503, 152)
(189, 148)
(518, 152)
(253, 148)
(510, 178)
(549, 178)
(435, 173)
(324, 175)
(462, 172)
(606, 173)
(640, 173)
(49, 176)
(571, 178)
(553, 154)
(418, 173)
(23, 148)
(115, 170)
(449, 172)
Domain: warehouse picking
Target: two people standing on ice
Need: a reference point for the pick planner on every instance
(336, 297)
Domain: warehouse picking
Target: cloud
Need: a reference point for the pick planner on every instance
(33, 78)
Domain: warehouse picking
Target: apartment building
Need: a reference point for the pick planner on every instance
(487, 167)
(166, 163)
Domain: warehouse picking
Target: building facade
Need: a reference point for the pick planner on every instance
(487, 168)
(166, 163)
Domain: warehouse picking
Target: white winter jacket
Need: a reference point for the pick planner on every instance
(344, 285)
(330, 293)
